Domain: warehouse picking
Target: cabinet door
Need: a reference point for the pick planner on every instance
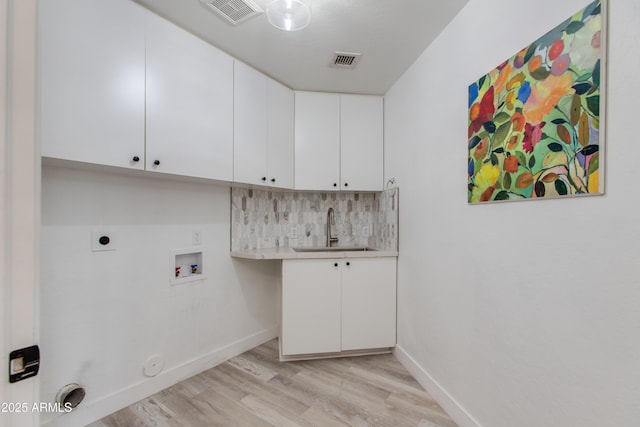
(361, 143)
(317, 141)
(310, 306)
(368, 303)
(280, 135)
(92, 81)
(189, 104)
(249, 125)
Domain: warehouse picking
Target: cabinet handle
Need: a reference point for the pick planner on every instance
(156, 162)
(136, 159)
(273, 180)
(335, 184)
(346, 184)
(348, 263)
(264, 178)
(335, 265)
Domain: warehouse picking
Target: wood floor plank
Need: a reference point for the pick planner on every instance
(268, 356)
(275, 416)
(234, 412)
(348, 407)
(256, 389)
(190, 411)
(278, 397)
(423, 413)
(256, 369)
(230, 384)
(339, 372)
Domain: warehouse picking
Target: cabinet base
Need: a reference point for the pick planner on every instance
(350, 353)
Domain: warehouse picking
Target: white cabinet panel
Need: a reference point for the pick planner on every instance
(337, 305)
(189, 104)
(250, 137)
(317, 141)
(368, 303)
(280, 135)
(92, 70)
(263, 129)
(338, 142)
(310, 306)
(361, 142)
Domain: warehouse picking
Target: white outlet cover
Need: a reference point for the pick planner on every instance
(196, 237)
(96, 246)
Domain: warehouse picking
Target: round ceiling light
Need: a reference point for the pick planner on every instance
(289, 15)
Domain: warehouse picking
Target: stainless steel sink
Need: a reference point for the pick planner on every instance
(333, 249)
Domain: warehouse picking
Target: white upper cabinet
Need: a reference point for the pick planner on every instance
(263, 129)
(338, 142)
(317, 141)
(361, 143)
(250, 138)
(189, 104)
(280, 131)
(92, 70)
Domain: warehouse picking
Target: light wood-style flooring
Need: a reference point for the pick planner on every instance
(255, 389)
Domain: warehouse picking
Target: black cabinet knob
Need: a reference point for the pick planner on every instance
(264, 178)
(335, 265)
(346, 184)
(273, 180)
(156, 162)
(348, 263)
(136, 159)
(335, 185)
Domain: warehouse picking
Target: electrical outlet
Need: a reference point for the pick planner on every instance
(366, 231)
(103, 241)
(293, 232)
(196, 237)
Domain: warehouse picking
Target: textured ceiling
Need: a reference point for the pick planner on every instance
(390, 35)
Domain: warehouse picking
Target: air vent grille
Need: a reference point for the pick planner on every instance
(233, 11)
(345, 59)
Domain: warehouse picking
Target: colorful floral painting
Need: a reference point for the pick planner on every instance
(536, 120)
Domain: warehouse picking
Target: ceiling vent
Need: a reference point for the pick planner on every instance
(345, 59)
(233, 11)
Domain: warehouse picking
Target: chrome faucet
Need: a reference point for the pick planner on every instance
(331, 220)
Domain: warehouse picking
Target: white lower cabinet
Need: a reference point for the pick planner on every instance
(336, 305)
(310, 306)
(368, 303)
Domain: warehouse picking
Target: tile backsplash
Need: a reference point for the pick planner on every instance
(267, 219)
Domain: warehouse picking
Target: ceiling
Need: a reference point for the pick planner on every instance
(390, 35)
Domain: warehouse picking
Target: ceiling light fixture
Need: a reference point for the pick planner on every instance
(289, 15)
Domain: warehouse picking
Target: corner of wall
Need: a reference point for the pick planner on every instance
(451, 406)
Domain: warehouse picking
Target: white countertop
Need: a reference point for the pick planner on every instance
(290, 253)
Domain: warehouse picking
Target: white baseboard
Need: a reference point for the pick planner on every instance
(92, 411)
(444, 399)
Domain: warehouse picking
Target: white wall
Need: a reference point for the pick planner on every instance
(104, 313)
(527, 313)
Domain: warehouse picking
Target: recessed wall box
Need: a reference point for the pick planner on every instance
(186, 266)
